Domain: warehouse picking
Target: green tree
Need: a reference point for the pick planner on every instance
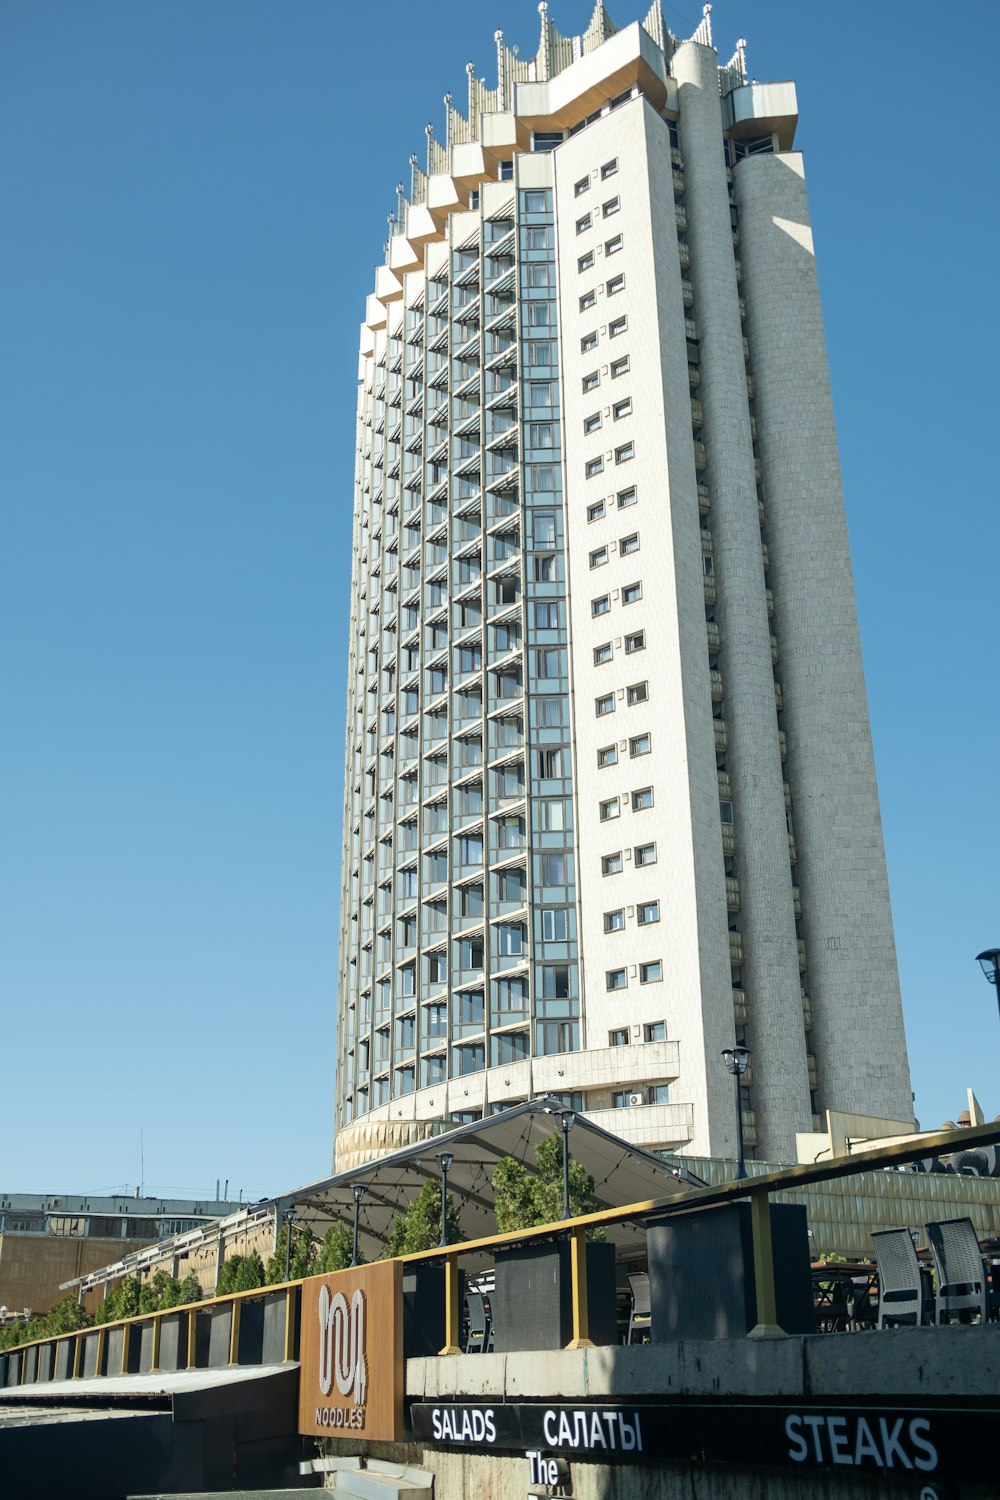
(336, 1248)
(124, 1302)
(189, 1290)
(240, 1273)
(418, 1227)
(66, 1316)
(523, 1198)
(303, 1261)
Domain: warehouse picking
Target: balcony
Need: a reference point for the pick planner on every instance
(779, 697)
(704, 497)
(812, 1071)
(732, 893)
(807, 1015)
(765, 556)
(682, 219)
(796, 901)
(725, 786)
(709, 590)
(649, 1125)
(800, 945)
(774, 651)
(736, 949)
(741, 1009)
(721, 736)
(697, 414)
(788, 795)
(749, 1127)
(792, 855)
(687, 291)
(700, 456)
(728, 839)
(716, 681)
(714, 636)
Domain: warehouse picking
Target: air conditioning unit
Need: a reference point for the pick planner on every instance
(636, 1098)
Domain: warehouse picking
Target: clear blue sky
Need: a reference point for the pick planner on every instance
(194, 196)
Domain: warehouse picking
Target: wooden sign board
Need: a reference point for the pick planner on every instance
(351, 1353)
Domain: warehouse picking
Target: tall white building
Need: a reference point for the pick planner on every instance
(610, 796)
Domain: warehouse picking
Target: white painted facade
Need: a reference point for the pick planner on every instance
(610, 798)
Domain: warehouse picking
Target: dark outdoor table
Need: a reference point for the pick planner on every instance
(835, 1292)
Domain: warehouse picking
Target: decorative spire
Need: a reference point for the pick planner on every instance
(703, 35)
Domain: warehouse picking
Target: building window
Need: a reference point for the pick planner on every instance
(592, 423)
(611, 864)
(607, 756)
(594, 466)
(546, 617)
(651, 973)
(629, 544)
(468, 1059)
(595, 511)
(654, 1031)
(638, 692)
(644, 854)
(611, 207)
(602, 654)
(589, 299)
(581, 187)
(604, 705)
(609, 809)
(616, 284)
(619, 1037)
(588, 342)
(614, 921)
(591, 381)
(621, 1099)
(622, 409)
(617, 326)
(625, 498)
(583, 224)
(624, 453)
(612, 246)
(632, 593)
(598, 557)
(507, 171)
(585, 262)
(616, 979)
(600, 606)
(639, 744)
(647, 912)
(726, 812)
(659, 1093)
(555, 925)
(619, 367)
(642, 799)
(635, 642)
(609, 169)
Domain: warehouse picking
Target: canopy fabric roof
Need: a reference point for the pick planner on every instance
(622, 1172)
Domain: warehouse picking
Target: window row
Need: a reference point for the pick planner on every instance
(646, 913)
(606, 210)
(638, 692)
(622, 455)
(649, 973)
(612, 287)
(609, 169)
(641, 800)
(611, 247)
(642, 855)
(616, 327)
(627, 545)
(624, 498)
(619, 409)
(638, 745)
(635, 641)
(630, 594)
(653, 1031)
(618, 367)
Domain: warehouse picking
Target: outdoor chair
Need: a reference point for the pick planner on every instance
(479, 1338)
(862, 1309)
(901, 1294)
(958, 1264)
(640, 1318)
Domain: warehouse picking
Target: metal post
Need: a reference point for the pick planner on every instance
(451, 1344)
(581, 1315)
(741, 1165)
(447, 1161)
(288, 1218)
(234, 1332)
(766, 1326)
(358, 1189)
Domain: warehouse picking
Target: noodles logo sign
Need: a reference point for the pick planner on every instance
(350, 1353)
(342, 1350)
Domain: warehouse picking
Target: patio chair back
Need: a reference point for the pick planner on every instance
(901, 1295)
(961, 1276)
(478, 1339)
(640, 1317)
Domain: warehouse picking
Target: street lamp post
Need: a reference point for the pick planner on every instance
(567, 1119)
(737, 1060)
(358, 1189)
(447, 1162)
(288, 1219)
(989, 962)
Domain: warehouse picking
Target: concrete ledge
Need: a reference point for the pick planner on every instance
(947, 1361)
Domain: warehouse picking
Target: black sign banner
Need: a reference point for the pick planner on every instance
(904, 1442)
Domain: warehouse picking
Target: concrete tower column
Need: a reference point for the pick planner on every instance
(775, 1033)
(841, 868)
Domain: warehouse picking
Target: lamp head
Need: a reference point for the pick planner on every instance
(447, 1160)
(736, 1059)
(358, 1189)
(989, 962)
(567, 1119)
